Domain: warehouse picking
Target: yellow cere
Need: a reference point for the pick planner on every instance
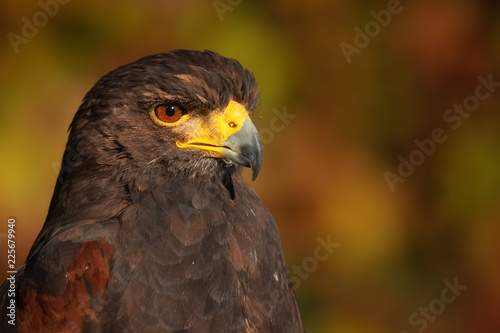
(214, 130)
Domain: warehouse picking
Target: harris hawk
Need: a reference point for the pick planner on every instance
(151, 227)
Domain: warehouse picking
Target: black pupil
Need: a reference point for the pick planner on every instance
(170, 111)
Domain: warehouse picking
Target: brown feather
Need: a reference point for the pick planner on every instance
(86, 280)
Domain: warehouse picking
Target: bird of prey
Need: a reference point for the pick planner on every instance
(151, 227)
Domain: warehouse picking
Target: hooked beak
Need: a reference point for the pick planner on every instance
(230, 135)
(244, 148)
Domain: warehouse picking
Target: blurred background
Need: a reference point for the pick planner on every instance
(353, 94)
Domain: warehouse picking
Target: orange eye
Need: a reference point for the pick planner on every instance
(168, 113)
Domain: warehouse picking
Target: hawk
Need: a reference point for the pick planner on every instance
(151, 227)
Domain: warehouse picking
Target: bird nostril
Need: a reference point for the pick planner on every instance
(232, 124)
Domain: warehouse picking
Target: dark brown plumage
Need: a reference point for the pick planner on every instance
(151, 227)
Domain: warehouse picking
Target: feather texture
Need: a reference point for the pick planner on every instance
(142, 236)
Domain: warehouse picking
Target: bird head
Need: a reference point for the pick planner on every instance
(187, 111)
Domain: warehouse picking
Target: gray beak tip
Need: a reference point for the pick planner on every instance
(245, 148)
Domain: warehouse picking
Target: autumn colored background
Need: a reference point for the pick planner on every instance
(350, 120)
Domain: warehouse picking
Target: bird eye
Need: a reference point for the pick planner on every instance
(168, 113)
